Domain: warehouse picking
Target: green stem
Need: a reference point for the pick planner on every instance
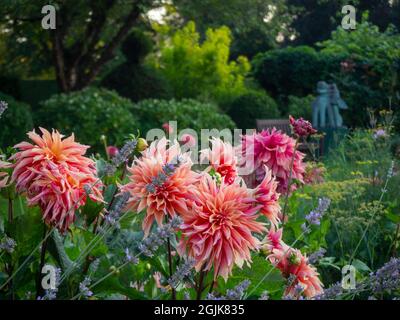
(289, 182)
(200, 286)
(39, 289)
(173, 292)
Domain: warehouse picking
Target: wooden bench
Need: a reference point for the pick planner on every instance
(280, 124)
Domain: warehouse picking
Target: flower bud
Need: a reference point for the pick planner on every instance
(141, 145)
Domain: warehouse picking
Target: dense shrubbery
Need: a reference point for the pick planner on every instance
(188, 113)
(300, 106)
(245, 109)
(364, 64)
(203, 70)
(134, 79)
(369, 77)
(15, 122)
(85, 112)
(293, 71)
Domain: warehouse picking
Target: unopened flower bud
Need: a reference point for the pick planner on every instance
(141, 145)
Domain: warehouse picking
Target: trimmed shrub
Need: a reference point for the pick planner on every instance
(133, 79)
(15, 122)
(245, 109)
(294, 71)
(188, 113)
(89, 114)
(138, 82)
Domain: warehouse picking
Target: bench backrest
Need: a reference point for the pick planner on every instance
(280, 124)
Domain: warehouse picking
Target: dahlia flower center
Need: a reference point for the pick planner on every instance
(219, 219)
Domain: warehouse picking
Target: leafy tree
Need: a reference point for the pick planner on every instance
(86, 38)
(194, 69)
(314, 20)
(255, 24)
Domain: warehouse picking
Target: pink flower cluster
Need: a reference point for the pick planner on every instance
(53, 173)
(301, 128)
(277, 151)
(219, 217)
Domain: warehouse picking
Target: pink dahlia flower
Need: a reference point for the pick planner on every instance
(273, 240)
(301, 127)
(275, 150)
(217, 230)
(295, 267)
(160, 182)
(222, 159)
(266, 195)
(4, 178)
(53, 173)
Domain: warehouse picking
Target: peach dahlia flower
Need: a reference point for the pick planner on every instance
(53, 173)
(295, 267)
(160, 182)
(222, 159)
(266, 195)
(275, 150)
(217, 230)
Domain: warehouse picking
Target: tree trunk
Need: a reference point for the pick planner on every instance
(84, 64)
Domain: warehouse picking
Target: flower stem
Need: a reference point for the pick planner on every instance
(200, 287)
(289, 182)
(9, 266)
(10, 210)
(173, 292)
(39, 289)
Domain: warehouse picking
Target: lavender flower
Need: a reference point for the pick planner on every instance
(316, 256)
(298, 289)
(167, 171)
(387, 278)
(181, 272)
(8, 244)
(380, 133)
(3, 107)
(331, 293)
(151, 244)
(84, 287)
(51, 294)
(305, 228)
(314, 217)
(124, 153)
(211, 296)
(113, 217)
(264, 296)
(130, 258)
(237, 292)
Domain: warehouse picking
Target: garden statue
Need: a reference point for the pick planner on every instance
(327, 101)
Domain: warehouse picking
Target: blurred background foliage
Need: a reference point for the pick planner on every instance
(252, 59)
